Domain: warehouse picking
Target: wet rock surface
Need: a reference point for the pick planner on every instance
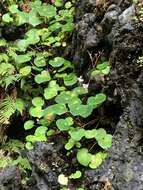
(10, 179)
(47, 163)
(124, 167)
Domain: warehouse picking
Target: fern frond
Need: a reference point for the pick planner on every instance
(7, 108)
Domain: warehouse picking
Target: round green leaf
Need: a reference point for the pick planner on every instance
(70, 79)
(32, 36)
(36, 112)
(19, 104)
(25, 70)
(64, 124)
(68, 5)
(57, 62)
(80, 90)
(13, 9)
(23, 58)
(69, 144)
(50, 93)
(31, 138)
(39, 61)
(80, 110)
(38, 101)
(105, 142)
(76, 175)
(84, 157)
(89, 134)
(47, 11)
(40, 131)
(29, 145)
(34, 19)
(77, 135)
(28, 124)
(102, 66)
(7, 18)
(43, 77)
(95, 101)
(57, 109)
(96, 161)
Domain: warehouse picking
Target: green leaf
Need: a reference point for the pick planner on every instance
(80, 90)
(54, 26)
(32, 36)
(57, 109)
(68, 27)
(40, 131)
(52, 90)
(22, 18)
(69, 144)
(13, 9)
(38, 101)
(28, 124)
(39, 61)
(36, 112)
(105, 142)
(29, 145)
(100, 133)
(95, 73)
(23, 58)
(48, 11)
(102, 66)
(77, 135)
(22, 45)
(106, 70)
(68, 5)
(58, 3)
(76, 175)
(50, 93)
(96, 161)
(43, 77)
(80, 110)
(89, 134)
(64, 97)
(70, 79)
(7, 18)
(67, 97)
(84, 157)
(31, 138)
(57, 62)
(35, 4)
(50, 132)
(95, 101)
(25, 70)
(64, 124)
(34, 20)
(19, 105)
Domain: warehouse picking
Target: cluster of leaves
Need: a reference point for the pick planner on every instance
(48, 85)
(101, 69)
(13, 156)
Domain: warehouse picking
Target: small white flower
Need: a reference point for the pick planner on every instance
(85, 85)
(80, 79)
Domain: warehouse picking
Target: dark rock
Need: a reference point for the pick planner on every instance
(10, 179)
(47, 163)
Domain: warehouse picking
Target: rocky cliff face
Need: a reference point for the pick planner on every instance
(113, 31)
